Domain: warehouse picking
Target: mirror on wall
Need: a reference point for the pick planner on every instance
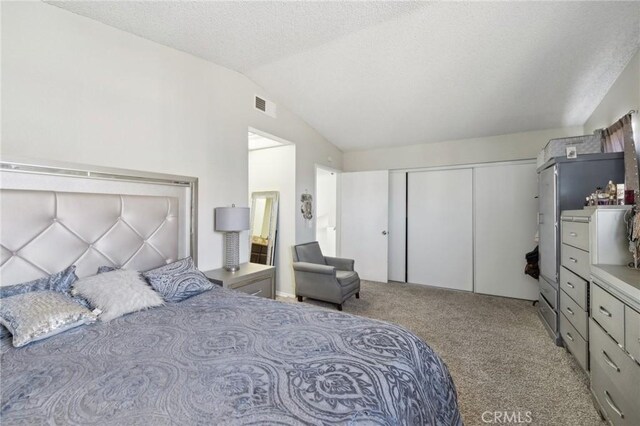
(264, 226)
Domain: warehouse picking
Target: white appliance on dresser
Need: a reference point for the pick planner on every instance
(614, 343)
(589, 236)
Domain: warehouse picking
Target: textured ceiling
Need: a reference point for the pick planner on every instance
(398, 73)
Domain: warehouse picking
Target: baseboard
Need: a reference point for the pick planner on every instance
(284, 294)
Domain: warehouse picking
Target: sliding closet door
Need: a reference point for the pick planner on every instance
(505, 227)
(440, 228)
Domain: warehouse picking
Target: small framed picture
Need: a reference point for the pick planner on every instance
(572, 152)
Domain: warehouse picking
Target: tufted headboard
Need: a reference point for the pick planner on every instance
(51, 218)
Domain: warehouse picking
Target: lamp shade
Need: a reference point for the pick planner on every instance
(231, 219)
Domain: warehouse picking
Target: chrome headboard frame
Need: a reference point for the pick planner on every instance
(129, 194)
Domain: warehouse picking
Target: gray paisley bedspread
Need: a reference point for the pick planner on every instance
(223, 357)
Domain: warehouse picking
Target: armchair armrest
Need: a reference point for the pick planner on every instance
(340, 263)
(314, 268)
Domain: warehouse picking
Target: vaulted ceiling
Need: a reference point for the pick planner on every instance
(373, 74)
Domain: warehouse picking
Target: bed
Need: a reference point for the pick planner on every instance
(220, 357)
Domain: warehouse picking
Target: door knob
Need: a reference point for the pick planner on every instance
(384, 232)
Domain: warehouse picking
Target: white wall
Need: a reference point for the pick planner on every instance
(517, 146)
(623, 96)
(274, 169)
(77, 90)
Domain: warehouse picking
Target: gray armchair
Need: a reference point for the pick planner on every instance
(330, 279)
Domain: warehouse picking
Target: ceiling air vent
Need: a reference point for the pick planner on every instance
(265, 106)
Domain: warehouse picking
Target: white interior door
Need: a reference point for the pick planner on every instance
(440, 228)
(505, 225)
(364, 222)
(397, 225)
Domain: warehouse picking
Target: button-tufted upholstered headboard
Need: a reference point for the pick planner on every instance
(50, 219)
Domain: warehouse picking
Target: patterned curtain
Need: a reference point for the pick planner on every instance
(613, 137)
(619, 138)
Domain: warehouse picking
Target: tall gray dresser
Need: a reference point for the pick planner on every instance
(563, 185)
(593, 235)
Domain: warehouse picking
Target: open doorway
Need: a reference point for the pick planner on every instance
(327, 210)
(272, 170)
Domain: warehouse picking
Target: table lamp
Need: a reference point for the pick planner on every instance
(232, 220)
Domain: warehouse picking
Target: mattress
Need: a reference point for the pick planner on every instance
(224, 357)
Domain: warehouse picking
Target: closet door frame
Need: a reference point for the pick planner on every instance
(397, 251)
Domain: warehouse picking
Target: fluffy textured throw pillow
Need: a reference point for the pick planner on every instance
(117, 293)
(37, 315)
(178, 280)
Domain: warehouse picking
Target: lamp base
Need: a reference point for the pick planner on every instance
(232, 251)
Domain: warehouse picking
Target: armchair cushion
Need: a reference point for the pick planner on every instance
(346, 278)
(314, 268)
(310, 253)
(340, 263)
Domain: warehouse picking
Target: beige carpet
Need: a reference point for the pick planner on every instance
(497, 350)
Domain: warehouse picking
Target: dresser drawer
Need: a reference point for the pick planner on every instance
(548, 292)
(575, 287)
(574, 342)
(576, 260)
(615, 372)
(632, 332)
(620, 407)
(576, 234)
(574, 313)
(260, 288)
(547, 313)
(608, 311)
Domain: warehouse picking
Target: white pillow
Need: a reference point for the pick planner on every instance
(117, 293)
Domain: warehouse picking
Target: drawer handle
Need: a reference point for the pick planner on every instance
(570, 310)
(570, 285)
(573, 234)
(612, 405)
(573, 259)
(604, 312)
(569, 336)
(257, 292)
(610, 362)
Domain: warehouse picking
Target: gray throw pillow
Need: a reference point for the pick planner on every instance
(178, 280)
(60, 282)
(117, 293)
(103, 269)
(37, 315)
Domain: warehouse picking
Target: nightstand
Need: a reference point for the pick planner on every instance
(252, 278)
